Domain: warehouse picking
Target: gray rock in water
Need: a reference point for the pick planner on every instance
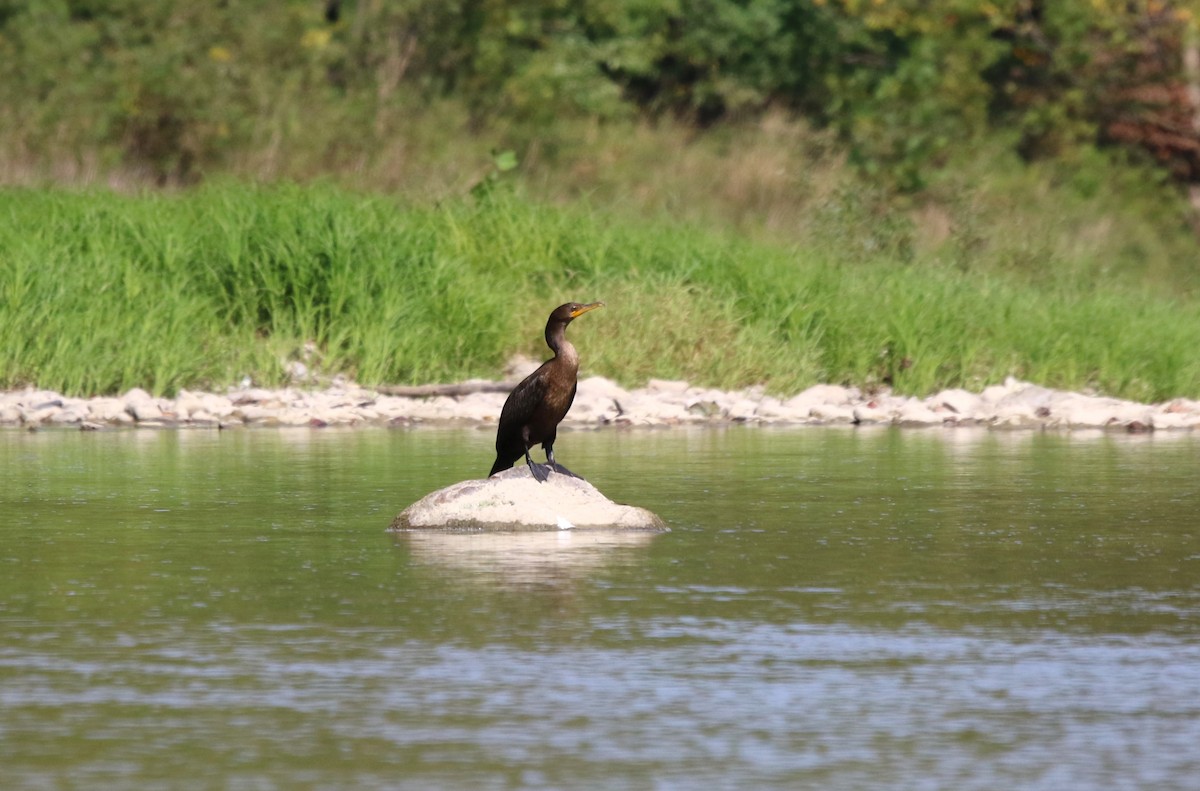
(513, 501)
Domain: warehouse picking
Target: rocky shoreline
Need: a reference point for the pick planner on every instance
(600, 402)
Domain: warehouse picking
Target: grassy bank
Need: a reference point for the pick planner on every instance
(102, 292)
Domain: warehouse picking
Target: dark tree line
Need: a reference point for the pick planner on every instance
(179, 84)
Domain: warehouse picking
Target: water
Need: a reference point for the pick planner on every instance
(835, 609)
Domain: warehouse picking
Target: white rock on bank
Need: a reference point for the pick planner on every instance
(40, 413)
(1085, 412)
(1175, 420)
(743, 410)
(642, 408)
(109, 410)
(202, 418)
(70, 414)
(482, 406)
(960, 402)
(142, 406)
(144, 410)
(866, 413)
(587, 410)
(916, 413)
(599, 387)
(823, 395)
(251, 395)
(600, 401)
(832, 413)
(772, 410)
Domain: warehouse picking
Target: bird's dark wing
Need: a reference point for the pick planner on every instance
(547, 434)
(522, 401)
(517, 412)
(571, 400)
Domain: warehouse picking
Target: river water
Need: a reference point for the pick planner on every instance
(834, 608)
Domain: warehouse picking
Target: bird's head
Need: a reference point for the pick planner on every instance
(572, 310)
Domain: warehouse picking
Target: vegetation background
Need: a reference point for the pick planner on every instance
(881, 192)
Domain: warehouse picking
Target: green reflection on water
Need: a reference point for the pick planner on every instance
(956, 527)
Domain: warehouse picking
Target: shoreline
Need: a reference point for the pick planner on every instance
(600, 402)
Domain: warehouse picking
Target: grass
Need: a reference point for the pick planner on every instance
(101, 292)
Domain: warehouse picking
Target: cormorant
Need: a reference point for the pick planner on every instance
(538, 404)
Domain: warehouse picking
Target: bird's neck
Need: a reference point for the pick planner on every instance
(556, 339)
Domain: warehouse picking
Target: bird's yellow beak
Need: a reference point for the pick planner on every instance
(584, 309)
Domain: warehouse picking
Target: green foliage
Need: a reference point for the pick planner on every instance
(180, 90)
(502, 162)
(170, 87)
(101, 293)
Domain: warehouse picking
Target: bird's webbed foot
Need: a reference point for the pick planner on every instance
(540, 471)
(553, 464)
(561, 470)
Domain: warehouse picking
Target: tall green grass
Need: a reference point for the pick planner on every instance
(102, 292)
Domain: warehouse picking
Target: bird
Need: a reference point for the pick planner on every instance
(537, 405)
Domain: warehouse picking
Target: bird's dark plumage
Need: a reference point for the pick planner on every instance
(538, 404)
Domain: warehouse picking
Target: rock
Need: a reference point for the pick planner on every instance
(1031, 396)
(586, 409)
(10, 415)
(773, 410)
(1106, 416)
(996, 393)
(1182, 405)
(253, 413)
(704, 409)
(39, 414)
(825, 403)
(109, 410)
(599, 387)
(144, 410)
(480, 407)
(1167, 420)
(1014, 416)
(743, 410)
(69, 415)
(187, 402)
(513, 501)
(216, 405)
(142, 406)
(291, 416)
(834, 395)
(832, 413)
(915, 413)
(865, 413)
(641, 408)
(252, 395)
(959, 402)
(136, 395)
(202, 418)
(366, 414)
(1080, 411)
